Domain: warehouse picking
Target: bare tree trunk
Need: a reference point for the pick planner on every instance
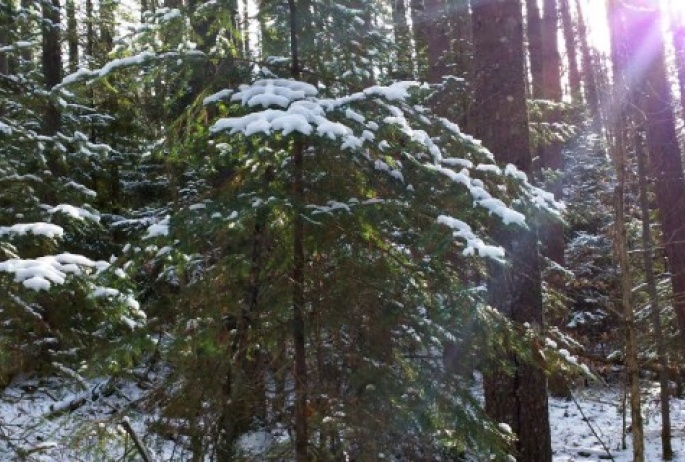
(535, 48)
(678, 34)
(655, 311)
(72, 35)
(628, 314)
(500, 112)
(589, 78)
(438, 36)
(6, 18)
(571, 50)
(664, 153)
(52, 62)
(90, 30)
(300, 378)
(620, 46)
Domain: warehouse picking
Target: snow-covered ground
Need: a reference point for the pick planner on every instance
(68, 431)
(573, 439)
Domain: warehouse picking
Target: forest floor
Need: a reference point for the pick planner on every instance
(84, 426)
(572, 435)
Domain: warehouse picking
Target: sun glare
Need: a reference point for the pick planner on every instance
(595, 14)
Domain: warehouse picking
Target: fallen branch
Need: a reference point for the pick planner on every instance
(126, 424)
(592, 429)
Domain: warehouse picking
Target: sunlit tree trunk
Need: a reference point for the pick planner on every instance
(589, 77)
(571, 50)
(501, 119)
(678, 34)
(662, 145)
(535, 50)
(621, 45)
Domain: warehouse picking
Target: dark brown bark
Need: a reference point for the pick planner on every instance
(571, 50)
(72, 35)
(438, 35)
(51, 62)
(501, 119)
(589, 78)
(550, 154)
(535, 48)
(300, 378)
(551, 59)
(90, 30)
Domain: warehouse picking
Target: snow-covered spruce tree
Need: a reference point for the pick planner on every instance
(57, 307)
(387, 190)
(383, 203)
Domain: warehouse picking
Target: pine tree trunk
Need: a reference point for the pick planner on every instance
(90, 30)
(622, 91)
(5, 28)
(52, 62)
(571, 50)
(501, 119)
(300, 377)
(72, 35)
(655, 311)
(589, 78)
(438, 36)
(535, 48)
(678, 34)
(664, 153)
(632, 366)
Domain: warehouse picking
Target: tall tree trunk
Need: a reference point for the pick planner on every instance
(678, 33)
(589, 77)
(6, 18)
(624, 82)
(300, 378)
(550, 156)
(90, 30)
(52, 62)
(535, 48)
(72, 35)
(571, 50)
(438, 35)
(402, 39)
(655, 311)
(420, 25)
(621, 245)
(662, 145)
(500, 113)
